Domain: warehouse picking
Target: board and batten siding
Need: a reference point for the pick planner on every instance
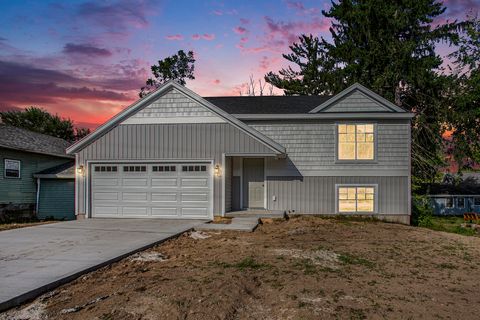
(317, 194)
(140, 142)
(311, 149)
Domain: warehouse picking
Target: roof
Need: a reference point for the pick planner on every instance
(358, 87)
(436, 189)
(166, 87)
(25, 140)
(65, 170)
(268, 104)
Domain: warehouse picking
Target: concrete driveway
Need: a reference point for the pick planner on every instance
(37, 259)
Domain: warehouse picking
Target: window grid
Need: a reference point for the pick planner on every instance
(461, 202)
(449, 202)
(164, 168)
(134, 168)
(356, 142)
(356, 199)
(476, 201)
(194, 168)
(105, 168)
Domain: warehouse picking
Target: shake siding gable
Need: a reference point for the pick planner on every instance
(356, 101)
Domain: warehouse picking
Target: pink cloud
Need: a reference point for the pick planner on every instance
(216, 81)
(244, 21)
(244, 39)
(205, 36)
(224, 12)
(208, 37)
(239, 30)
(174, 37)
(300, 8)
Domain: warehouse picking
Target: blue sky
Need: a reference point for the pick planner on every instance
(87, 59)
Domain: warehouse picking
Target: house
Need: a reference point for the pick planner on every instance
(454, 199)
(174, 154)
(23, 154)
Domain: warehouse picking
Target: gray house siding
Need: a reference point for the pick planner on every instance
(140, 142)
(311, 149)
(317, 194)
(352, 103)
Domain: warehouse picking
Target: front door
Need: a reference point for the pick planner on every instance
(253, 183)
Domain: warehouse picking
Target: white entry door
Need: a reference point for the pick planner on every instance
(151, 190)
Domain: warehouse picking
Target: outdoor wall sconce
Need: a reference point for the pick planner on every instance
(80, 170)
(217, 171)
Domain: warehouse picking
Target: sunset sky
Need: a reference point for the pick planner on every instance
(87, 60)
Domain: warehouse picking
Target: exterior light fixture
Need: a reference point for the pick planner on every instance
(80, 170)
(217, 171)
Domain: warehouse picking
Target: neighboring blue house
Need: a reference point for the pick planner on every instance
(23, 154)
(448, 199)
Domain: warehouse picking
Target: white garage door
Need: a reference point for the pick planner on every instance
(151, 190)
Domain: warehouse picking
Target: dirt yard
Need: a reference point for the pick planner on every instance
(13, 225)
(304, 268)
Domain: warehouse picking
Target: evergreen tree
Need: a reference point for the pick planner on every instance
(388, 46)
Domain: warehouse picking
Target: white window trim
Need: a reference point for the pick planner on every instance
(5, 168)
(359, 185)
(375, 143)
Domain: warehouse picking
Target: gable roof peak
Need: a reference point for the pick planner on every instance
(384, 103)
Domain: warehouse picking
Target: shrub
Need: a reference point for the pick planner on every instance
(422, 211)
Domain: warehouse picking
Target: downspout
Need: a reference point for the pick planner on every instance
(38, 196)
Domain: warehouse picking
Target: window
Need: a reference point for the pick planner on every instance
(476, 201)
(356, 199)
(449, 202)
(105, 168)
(194, 168)
(356, 142)
(164, 168)
(12, 168)
(461, 202)
(134, 168)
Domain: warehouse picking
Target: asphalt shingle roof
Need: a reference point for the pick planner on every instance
(65, 169)
(268, 104)
(21, 139)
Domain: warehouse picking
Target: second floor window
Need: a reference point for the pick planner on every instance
(356, 142)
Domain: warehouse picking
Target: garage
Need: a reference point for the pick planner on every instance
(152, 190)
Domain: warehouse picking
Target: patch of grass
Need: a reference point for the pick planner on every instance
(350, 259)
(450, 224)
(306, 266)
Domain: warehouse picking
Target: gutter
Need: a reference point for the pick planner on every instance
(327, 116)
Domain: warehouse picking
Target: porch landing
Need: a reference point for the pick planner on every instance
(259, 214)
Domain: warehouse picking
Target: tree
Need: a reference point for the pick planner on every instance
(464, 120)
(179, 67)
(251, 88)
(39, 120)
(388, 46)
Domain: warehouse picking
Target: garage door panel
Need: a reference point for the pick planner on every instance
(134, 211)
(107, 182)
(153, 190)
(167, 212)
(164, 197)
(194, 197)
(194, 212)
(164, 182)
(194, 182)
(106, 210)
(135, 196)
(135, 182)
(105, 196)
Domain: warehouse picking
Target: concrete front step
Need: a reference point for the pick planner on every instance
(248, 224)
